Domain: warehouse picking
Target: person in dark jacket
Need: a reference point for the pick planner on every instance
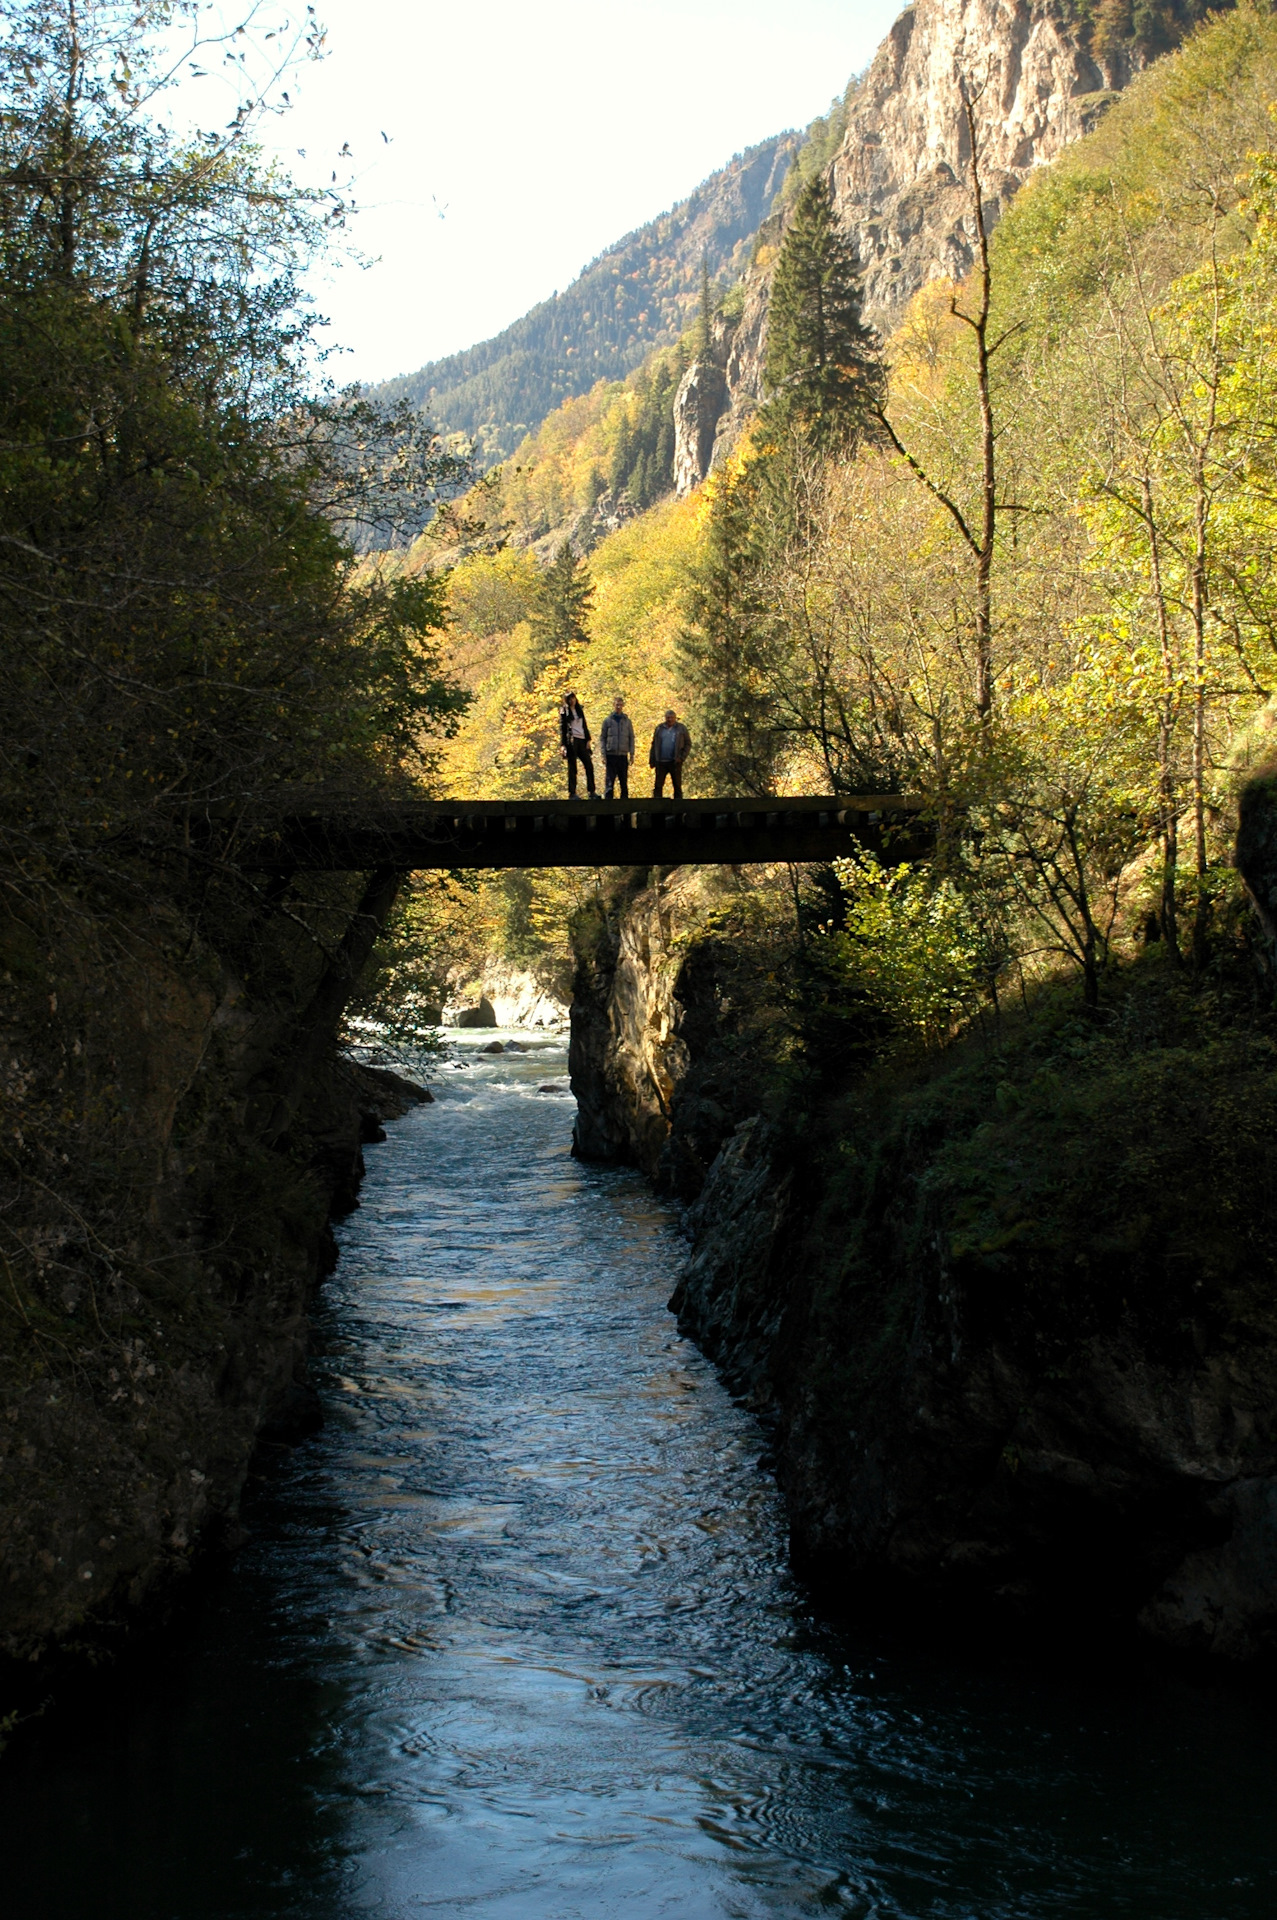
(617, 740)
(574, 736)
(671, 744)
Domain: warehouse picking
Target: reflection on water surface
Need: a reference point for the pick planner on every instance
(515, 1637)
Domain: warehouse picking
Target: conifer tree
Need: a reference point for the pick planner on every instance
(822, 370)
(725, 650)
(558, 618)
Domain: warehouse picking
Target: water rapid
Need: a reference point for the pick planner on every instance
(514, 1636)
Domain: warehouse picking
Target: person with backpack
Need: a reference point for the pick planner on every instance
(671, 744)
(617, 740)
(574, 737)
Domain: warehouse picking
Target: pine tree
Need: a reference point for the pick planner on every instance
(725, 651)
(822, 369)
(558, 619)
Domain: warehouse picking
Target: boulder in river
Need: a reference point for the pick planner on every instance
(494, 1046)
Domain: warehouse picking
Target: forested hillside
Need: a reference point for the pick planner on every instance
(833, 611)
(642, 293)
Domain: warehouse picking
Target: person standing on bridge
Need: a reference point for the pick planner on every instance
(617, 741)
(574, 736)
(671, 744)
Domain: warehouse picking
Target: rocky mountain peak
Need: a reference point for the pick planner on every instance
(900, 181)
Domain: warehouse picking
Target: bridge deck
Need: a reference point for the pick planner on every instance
(591, 833)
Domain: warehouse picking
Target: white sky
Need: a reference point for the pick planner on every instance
(541, 131)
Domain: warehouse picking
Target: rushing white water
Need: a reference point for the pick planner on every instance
(515, 1636)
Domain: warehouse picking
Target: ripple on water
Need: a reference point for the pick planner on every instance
(515, 1636)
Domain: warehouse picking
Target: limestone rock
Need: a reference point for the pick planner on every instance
(698, 405)
(900, 180)
(661, 1077)
(519, 996)
(900, 177)
(484, 1015)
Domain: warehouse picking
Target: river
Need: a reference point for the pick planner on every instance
(514, 1636)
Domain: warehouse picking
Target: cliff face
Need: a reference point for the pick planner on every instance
(994, 1433)
(625, 1055)
(1015, 1323)
(900, 181)
(664, 1056)
(155, 1325)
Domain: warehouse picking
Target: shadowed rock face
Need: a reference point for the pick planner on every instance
(625, 1055)
(1131, 1487)
(189, 1346)
(1256, 850)
(1020, 1363)
(661, 1065)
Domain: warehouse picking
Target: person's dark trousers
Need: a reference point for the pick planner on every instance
(675, 773)
(618, 769)
(579, 750)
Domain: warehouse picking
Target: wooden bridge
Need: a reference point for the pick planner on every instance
(587, 833)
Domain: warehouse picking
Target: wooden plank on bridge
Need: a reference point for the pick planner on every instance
(587, 833)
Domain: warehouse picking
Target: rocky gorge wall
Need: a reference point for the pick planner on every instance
(159, 1332)
(662, 1057)
(1012, 1317)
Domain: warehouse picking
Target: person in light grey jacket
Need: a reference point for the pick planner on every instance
(617, 740)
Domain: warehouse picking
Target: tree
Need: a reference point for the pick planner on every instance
(186, 630)
(182, 623)
(727, 648)
(978, 528)
(821, 371)
(560, 614)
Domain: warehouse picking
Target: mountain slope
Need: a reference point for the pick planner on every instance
(642, 293)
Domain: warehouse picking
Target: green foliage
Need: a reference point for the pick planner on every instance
(820, 143)
(183, 624)
(491, 593)
(1145, 28)
(185, 633)
(1161, 178)
(822, 372)
(726, 649)
(612, 448)
(915, 945)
